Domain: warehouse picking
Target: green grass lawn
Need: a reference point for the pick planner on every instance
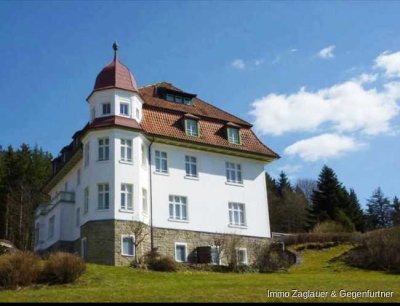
(124, 284)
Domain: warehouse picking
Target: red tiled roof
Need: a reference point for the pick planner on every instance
(115, 75)
(113, 121)
(199, 107)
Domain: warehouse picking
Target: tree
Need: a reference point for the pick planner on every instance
(140, 232)
(326, 199)
(355, 212)
(307, 186)
(283, 183)
(378, 210)
(396, 211)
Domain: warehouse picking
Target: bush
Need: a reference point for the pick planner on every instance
(156, 262)
(329, 227)
(272, 257)
(320, 238)
(377, 250)
(19, 269)
(62, 268)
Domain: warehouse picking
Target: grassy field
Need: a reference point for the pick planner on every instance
(123, 284)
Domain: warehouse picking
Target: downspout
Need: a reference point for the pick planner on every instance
(151, 198)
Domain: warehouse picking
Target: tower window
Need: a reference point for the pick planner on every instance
(106, 108)
(124, 109)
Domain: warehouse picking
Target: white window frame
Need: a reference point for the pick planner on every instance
(78, 177)
(127, 195)
(190, 162)
(144, 155)
(101, 205)
(184, 244)
(87, 153)
(216, 247)
(145, 203)
(235, 210)
(52, 221)
(177, 206)
(78, 216)
(133, 245)
(122, 105)
(84, 248)
(234, 173)
(246, 261)
(159, 158)
(192, 127)
(126, 147)
(103, 148)
(103, 106)
(86, 200)
(232, 133)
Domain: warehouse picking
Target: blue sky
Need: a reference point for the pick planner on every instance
(319, 79)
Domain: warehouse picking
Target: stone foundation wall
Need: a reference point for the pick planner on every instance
(165, 239)
(100, 237)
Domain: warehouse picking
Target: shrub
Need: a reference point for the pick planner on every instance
(272, 257)
(19, 269)
(156, 262)
(377, 250)
(320, 238)
(62, 268)
(316, 246)
(329, 227)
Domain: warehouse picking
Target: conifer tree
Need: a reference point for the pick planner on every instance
(378, 210)
(396, 211)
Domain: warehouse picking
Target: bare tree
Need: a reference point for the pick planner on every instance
(307, 186)
(141, 232)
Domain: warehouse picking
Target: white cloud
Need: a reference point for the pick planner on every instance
(327, 52)
(365, 78)
(344, 107)
(259, 62)
(323, 146)
(389, 62)
(238, 64)
(294, 50)
(290, 169)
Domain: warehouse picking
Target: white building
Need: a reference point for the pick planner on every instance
(159, 156)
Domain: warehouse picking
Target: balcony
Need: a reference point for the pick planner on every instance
(62, 196)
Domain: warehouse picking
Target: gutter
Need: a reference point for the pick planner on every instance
(151, 197)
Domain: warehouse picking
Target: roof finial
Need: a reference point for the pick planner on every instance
(115, 48)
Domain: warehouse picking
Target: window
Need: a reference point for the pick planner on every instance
(234, 173)
(170, 97)
(144, 155)
(104, 148)
(128, 245)
(78, 217)
(126, 197)
(241, 256)
(187, 101)
(137, 114)
(78, 177)
(87, 153)
(237, 214)
(103, 196)
(191, 127)
(144, 201)
(215, 255)
(177, 208)
(84, 248)
(233, 135)
(86, 200)
(126, 150)
(66, 186)
(51, 227)
(161, 162)
(191, 166)
(180, 252)
(124, 109)
(106, 108)
(178, 99)
(37, 233)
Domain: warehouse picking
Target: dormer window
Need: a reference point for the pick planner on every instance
(192, 127)
(170, 97)
(176, 96)
(106, 108)
(124, 109)
(233, 135)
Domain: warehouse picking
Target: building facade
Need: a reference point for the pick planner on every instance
(159, 162)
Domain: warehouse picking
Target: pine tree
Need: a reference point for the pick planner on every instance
(283, 183)
(326, 199)
(378, 210)
(355, 212)
(396, 211)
